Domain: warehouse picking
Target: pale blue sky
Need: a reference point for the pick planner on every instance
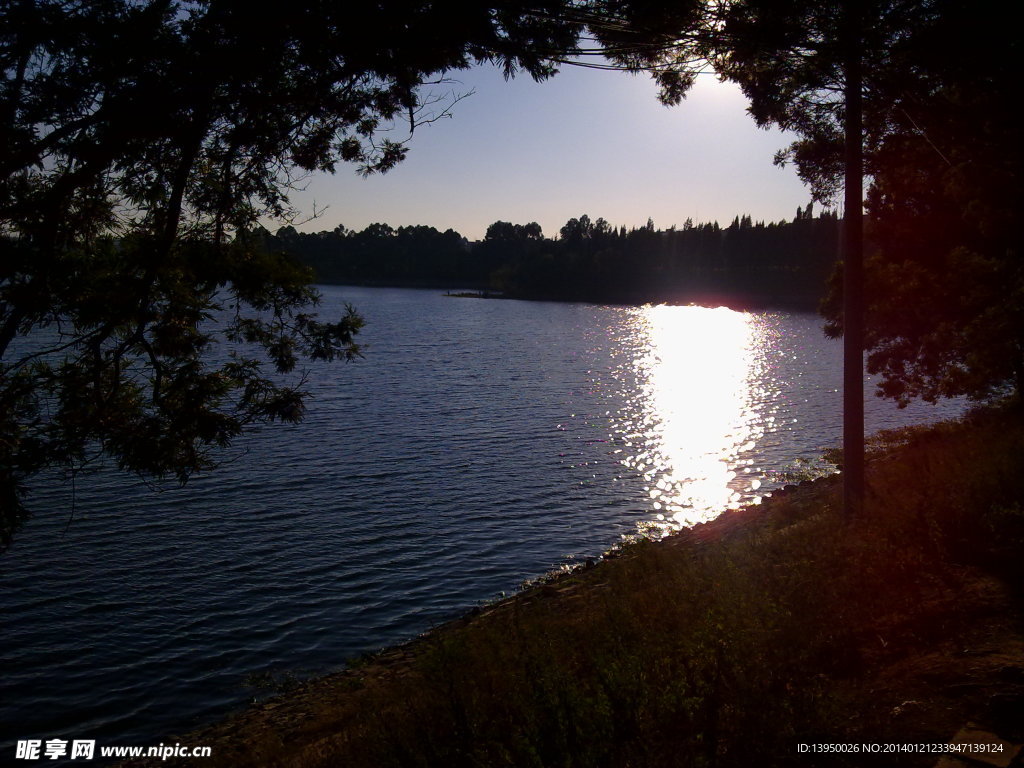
(585, 141)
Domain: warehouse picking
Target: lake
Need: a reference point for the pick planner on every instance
(478, 444)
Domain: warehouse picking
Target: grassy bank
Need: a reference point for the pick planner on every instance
(726, 645)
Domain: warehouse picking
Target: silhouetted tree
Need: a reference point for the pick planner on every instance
(577, 229)
(142, 143)
(945, 279)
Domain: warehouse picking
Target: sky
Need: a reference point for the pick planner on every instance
(585, 141)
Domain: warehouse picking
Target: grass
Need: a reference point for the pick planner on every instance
(723, 646)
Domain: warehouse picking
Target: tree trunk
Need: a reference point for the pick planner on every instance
(853, 275)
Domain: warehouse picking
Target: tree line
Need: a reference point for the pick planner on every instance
(746, 262)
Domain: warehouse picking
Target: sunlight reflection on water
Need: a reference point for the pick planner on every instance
(694, 423)
(478, 444)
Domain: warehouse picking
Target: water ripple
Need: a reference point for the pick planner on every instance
(478, 444)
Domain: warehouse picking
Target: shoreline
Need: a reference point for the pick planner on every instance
(899, 640)
(736, 300)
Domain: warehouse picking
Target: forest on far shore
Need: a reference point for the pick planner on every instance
(785, 263)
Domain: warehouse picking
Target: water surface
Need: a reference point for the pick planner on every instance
(478, 444)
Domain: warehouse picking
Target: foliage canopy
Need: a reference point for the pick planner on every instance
(944, 277)
(142, 142)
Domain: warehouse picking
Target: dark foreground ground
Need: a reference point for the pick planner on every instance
(889, 638)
